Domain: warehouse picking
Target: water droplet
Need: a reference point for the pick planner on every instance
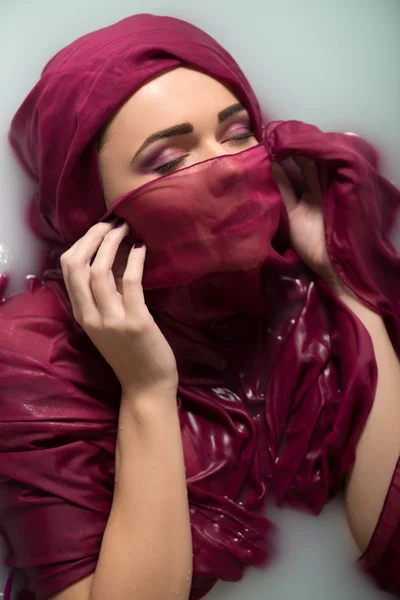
(5, 256)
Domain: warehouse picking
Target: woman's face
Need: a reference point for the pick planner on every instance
(179, 118)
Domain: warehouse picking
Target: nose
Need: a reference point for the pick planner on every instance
(226, 172)
(226, 176)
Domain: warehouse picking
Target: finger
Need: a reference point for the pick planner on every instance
(90, 242)
(324, 178)
(102, 279)
(284, 185)
(293, 173)
(132, 289)
(76, 270)
(310, 175)
(79, 292)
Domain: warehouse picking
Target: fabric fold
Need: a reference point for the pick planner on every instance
(276, 376)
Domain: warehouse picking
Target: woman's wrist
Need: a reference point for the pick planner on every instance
(149, 403)
(345, 294)
(338, 287)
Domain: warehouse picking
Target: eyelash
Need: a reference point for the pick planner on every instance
(169, 166)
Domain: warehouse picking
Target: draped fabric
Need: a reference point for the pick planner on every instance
(276, 376)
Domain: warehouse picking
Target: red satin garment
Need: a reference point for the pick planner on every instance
(248, 429)
(275, 384)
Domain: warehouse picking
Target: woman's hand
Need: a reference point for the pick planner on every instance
(115, 317)
(306, 220)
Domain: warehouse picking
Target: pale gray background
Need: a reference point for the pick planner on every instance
(335, 64)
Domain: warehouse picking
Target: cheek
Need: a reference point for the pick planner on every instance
(160, 228)
(162, 214)
(252, 142)
(117, 176)
(120, 183)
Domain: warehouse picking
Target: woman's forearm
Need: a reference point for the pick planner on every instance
(378, 449)
(146, 551)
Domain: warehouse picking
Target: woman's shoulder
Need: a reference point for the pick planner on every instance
(46, 298)
(46, 358)
(32, 319)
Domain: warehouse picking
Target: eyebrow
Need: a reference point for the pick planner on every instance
(229, 111)
(185, 128)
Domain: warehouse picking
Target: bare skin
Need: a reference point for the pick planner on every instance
(108, 301)
(146, 551)
(174, 98)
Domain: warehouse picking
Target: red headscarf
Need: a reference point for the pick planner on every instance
(54, 132)
(269, 403)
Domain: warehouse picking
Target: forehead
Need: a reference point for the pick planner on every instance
(179, 95)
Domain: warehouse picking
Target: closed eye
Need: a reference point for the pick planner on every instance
(171, 165)
(241, 137)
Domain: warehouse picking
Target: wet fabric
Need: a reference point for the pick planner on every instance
(275, 384)
(211, 230)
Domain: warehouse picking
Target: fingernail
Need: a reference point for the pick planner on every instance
(119, 224)
(138, 244)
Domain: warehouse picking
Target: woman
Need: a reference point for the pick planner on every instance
(225, 372)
